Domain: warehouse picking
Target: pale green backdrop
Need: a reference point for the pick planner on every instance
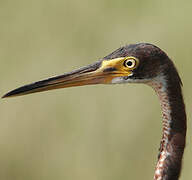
(86, 133)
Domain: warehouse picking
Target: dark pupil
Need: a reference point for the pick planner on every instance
(129, 63)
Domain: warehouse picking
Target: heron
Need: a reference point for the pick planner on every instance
(136, 63)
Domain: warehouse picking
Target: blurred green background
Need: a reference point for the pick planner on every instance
(87, 133)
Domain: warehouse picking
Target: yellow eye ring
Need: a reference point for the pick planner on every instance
(130, 63)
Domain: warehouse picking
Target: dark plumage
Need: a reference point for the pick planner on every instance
(152, 67)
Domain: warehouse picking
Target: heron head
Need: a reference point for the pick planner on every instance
(138, 63)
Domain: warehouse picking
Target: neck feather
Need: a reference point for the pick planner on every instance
(168, 89)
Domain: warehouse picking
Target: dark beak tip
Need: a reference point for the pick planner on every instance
(9, 94)
(6, 96)
(3, 96)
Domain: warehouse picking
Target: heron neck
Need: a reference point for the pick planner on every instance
(174, 127)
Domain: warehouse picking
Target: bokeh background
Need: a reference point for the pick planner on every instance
(87, 133)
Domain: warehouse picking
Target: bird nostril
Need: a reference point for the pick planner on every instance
(109, 69)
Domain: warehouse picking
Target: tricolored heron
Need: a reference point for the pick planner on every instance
(136, 63)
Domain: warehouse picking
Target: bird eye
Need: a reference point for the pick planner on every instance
(130, 63)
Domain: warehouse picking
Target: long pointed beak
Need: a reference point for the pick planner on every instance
(92, 74)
